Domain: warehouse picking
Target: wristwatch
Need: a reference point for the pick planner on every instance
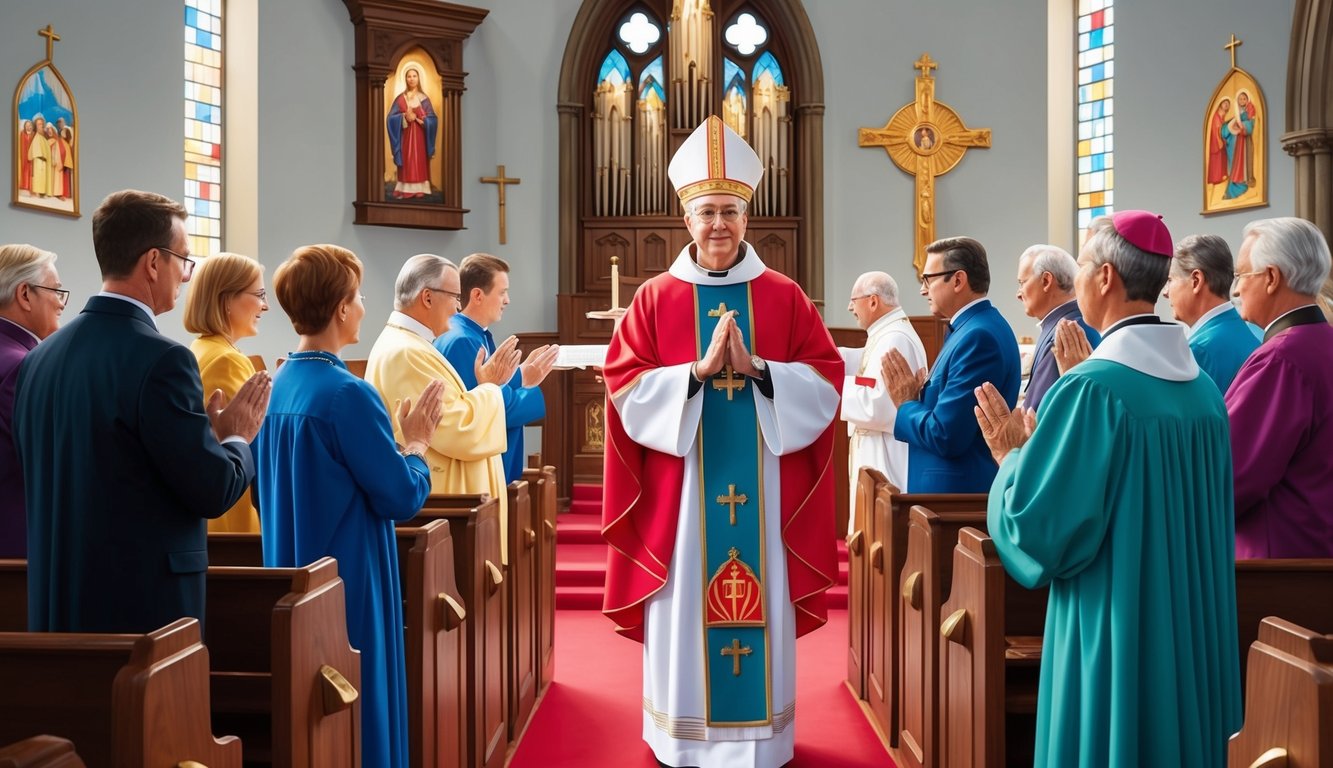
(759, 365)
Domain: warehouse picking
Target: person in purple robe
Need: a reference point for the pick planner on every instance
(31, 301)
(1280, 403)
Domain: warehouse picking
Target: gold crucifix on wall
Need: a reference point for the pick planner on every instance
(926, 139)
(500, 180)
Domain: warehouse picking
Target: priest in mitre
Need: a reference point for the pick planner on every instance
(719, 508)
(1120, 499)
(465, 449)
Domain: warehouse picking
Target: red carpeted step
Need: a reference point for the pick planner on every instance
(579, 598)
(580, 565)
(579, 528)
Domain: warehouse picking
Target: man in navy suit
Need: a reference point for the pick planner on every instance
(946, 452)
(120, 460)
(31, 301)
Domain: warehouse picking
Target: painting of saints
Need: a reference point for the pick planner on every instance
(66, 135)
(412, 127)
(1235, 159)
(56, 182)
(1245, 115)
(925, 138)
(1219, 154)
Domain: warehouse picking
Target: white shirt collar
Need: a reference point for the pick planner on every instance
(687, 269)
(21, 328)
(412, 324)
(151, 318)
(1159, 350)
(1225, 306)
(966, 307)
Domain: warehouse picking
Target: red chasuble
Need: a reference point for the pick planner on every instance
(642, 487)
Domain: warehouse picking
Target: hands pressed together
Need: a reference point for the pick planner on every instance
(1003, 429)
(418, 424)
(244, 415)
(727, 347)
(1071, 345)
(900, 381)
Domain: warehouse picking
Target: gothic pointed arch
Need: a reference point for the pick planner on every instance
(1309, 136)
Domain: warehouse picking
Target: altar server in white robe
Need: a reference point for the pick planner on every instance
(866, 405)
(719, 509)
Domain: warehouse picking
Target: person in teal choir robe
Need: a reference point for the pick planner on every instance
(1199, 289)
(1118, 495)
(331, 480)
(484, 281)
(1281, 403)
(945, 451)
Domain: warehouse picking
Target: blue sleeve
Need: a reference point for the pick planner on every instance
(523, 405)
(461, 352)
(395, 486)
(949, 427)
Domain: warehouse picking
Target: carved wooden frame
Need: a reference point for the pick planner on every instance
(387, 30)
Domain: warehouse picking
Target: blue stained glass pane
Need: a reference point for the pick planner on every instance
(1084, 94)
(200, 207)
(191, 17)
(1095, 38)
(732, 76)
(768, 63)
(1098, 72)
(1099, 162)
(1104, 210)
(651, 79)
(614, 63)
(202, 111)
(204, 39)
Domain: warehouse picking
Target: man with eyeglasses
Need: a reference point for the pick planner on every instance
(1118, 496)
(1046, 288)
(946, 453)
(31, 301)
(718, 506)
(1199, 289)
(464, 453)
(123, 457)
(1280, 402)
(484, 282)
(866, 407)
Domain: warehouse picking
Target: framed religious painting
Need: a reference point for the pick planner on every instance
(1235, 153)
(409, 89)
(45, 124)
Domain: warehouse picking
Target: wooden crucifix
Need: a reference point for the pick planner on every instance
(925, 139)
(500, 180)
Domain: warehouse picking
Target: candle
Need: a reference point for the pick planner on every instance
(615, 282)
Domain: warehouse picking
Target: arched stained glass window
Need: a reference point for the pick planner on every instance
(615, 70)
(630, 136)
(203, 125)
(767, 65)
(1096, 109)
(650, 82)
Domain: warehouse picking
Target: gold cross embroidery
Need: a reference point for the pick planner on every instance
(732, 500)
(720, 311)
(729, 381)
(736, 651)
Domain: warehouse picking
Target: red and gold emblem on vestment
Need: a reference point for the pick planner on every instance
(735, 596)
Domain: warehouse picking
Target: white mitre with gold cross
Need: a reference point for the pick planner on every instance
(714, 160)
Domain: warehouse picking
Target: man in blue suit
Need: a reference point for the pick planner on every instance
(946, 452)
(1046, 288)
(120, 460)
(1199, 289)
(484, 282)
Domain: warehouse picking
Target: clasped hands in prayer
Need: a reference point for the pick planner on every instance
(727, 347)
(499, 367)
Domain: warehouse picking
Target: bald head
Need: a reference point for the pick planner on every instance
(874, 295)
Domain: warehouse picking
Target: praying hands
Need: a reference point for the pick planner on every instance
(1071, 345)
(1003, 429)
(900, 381)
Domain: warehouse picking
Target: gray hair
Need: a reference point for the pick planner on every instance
(1210, 255)
(879, 284)
(418, 273)
(693, 205)
(21, 263)
(1144, 274)
(1295, 246)
(1053, 259)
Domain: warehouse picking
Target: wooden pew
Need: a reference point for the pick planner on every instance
(13, 595)
(542, 490)
(284, 675)
(474, 526)
(1299, 591)
(926, 577)
(125, 700)
(990, 656)
(521, 610)
(40, 752)
(1288, 699)
(860, 605)
(434, 616)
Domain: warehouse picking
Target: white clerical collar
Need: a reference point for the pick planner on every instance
(965, 308)
(21, 328)
(885, 321)
(409, 323)
(1157, 349)
(1284, 314)
(1209, 315)
(151, 318)
(687, 269)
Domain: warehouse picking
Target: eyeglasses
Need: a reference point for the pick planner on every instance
(925, 279)
(62, 295)
(458, 297)
(709, 215)
(862, 296)
(1022, 281)
(261, 294)
(189, 262)
(1236, 277)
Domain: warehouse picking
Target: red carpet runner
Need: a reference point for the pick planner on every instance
(592, 714)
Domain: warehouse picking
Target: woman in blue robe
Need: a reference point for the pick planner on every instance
(331, 481)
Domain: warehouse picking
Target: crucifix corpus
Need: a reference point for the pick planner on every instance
(501, 181)
(925, 139)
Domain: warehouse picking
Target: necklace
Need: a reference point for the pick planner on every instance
(315, 354)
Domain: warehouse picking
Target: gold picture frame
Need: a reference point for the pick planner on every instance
(45, 174)
(1235, 139)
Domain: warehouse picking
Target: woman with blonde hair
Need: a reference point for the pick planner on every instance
(225, 302)
(331, 481)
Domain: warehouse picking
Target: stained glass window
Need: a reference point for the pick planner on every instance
(203, 125)
(615, 70)
(1096, 109)
(650, 82)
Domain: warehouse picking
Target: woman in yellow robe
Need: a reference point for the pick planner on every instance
(226, 300)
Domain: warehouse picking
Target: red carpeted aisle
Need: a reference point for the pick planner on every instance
(592, 714)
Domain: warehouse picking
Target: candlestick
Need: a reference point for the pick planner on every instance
(615, 282)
